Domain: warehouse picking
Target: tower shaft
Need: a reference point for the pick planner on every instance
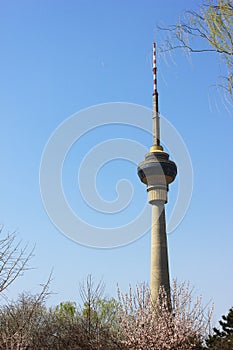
(159, 273)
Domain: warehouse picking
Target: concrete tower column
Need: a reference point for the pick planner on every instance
(159, 273)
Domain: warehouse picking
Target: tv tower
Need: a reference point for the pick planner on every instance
(157, 172)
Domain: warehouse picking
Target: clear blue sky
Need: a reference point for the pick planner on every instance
(58, 57)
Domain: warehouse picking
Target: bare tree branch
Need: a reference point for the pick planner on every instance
(13, 259)
(213, 24)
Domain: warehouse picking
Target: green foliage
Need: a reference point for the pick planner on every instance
(222, 339)
(213, 24)
(226, 324)
(98, 312)
(219, 21)
(101, 312)
(66, 309)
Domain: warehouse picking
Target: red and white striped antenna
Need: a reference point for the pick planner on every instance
(156, 123)
(154, 69)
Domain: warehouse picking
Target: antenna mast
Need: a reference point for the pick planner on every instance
(156, 124)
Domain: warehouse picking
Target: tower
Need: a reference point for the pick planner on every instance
(157, 172)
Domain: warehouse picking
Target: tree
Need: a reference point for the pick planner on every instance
(213, 24)
(157, 326)
(99, 316)
(66, 309)
(21, 321)
(222, 339)
(13, 259)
